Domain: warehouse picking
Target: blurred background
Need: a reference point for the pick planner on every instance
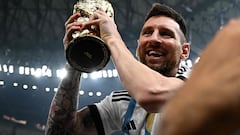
(32, 56)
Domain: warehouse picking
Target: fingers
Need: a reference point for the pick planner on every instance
(95, 20)
(98, 14)
(71, 25)
(94, 16)
(72, 18)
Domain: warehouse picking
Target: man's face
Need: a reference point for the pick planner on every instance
(159, 45)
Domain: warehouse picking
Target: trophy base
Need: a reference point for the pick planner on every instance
(87, 54)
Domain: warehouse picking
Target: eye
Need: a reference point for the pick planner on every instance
(147, 32)
(166, 34)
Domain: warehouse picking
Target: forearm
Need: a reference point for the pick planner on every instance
(64, 104)
(127, 66)
(144, 84)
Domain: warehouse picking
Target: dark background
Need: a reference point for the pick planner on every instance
(31, 33)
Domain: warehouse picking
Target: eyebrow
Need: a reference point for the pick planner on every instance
(161, 28)
(146, 28)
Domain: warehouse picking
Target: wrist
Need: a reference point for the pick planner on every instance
(71, 72)
(69, 68)
(113, 40)
(72, 79)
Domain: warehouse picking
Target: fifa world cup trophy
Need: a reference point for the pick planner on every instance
(87, 52)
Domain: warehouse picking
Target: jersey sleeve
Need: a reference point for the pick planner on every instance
(183, 72)
(97, 119)
(109, 112)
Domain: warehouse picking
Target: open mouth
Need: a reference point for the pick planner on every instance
(154, 53)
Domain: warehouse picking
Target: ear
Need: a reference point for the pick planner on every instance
(185, 51)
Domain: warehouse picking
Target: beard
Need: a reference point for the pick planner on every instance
(166, 68)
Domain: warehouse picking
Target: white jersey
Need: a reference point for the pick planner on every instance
(113, 108)
(156, 123)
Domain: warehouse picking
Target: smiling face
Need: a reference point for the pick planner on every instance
(161, 45)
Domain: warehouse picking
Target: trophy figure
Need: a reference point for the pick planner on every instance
(87, 52)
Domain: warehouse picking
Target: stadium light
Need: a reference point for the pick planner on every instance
(25, 86)
(5, 68)
(90, 94)
(47, 89)
(61, 73)
(98, 94)
(11, 69)
(1, 83)
(15, 84)
(34, 87)
(81, 92)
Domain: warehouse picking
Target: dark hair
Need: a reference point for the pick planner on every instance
(164, 10)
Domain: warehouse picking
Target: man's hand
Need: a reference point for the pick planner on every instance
(105, 24)
(71, 25)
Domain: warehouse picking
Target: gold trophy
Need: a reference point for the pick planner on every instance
(87, 52)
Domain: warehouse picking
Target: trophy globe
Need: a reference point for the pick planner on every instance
(87, 52)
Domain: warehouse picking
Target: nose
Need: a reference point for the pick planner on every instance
(155, 37)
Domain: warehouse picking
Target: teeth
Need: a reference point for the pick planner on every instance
(154, 53)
